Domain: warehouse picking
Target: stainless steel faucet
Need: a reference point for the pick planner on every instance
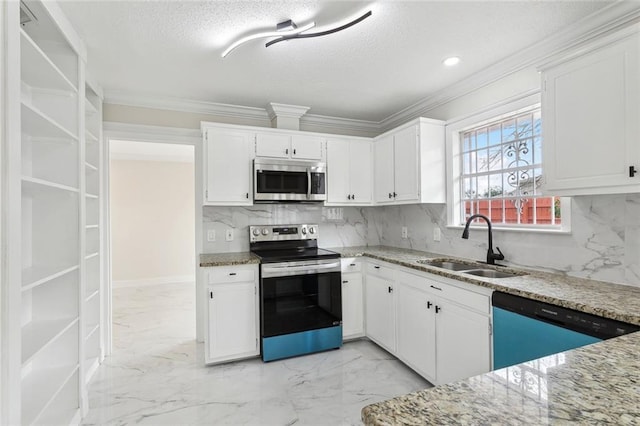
(491, 256)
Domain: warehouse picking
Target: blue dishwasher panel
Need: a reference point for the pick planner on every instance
(517, 338)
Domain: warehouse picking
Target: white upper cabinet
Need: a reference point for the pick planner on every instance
(289, 145)
(349, 171)
(228, 168)
(409, 164)
(591, 118)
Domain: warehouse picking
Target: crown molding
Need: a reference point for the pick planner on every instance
(146, 133)
(284, 110)
(605, 21)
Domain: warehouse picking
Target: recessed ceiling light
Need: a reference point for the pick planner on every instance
(451, 61)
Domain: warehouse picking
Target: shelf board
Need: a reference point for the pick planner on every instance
(94, 196)
(92, 226)
(37, 70)
(37, 275)
(90, 137)
(92, 295)
(40, 387)
(32, 185)
(92, 366)
(90, 166)
(39, 334)
(38, 124)
(90, 108)
(90, 329)
(92, 255)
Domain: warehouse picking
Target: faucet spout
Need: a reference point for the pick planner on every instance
(491, 255)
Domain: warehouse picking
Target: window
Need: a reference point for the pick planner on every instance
(498, 173)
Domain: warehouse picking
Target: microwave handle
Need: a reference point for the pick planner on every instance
(308, 183)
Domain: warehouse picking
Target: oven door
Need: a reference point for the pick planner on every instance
(300, 296)
(279, 180)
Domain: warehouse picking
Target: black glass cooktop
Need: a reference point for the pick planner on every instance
(291, 255)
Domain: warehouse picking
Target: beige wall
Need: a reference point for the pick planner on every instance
(152, 220)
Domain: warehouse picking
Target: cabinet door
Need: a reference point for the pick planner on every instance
(232, 321)
(360, 171)
(306, 147)
(380, 312)
(383, 170)
(228, 167)
(417, 330)
(406, 161)
(591, 125)
(352, 317)
(276, 145)
(338, 171)
(462, 343)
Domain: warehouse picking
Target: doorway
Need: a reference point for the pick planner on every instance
(152, 229)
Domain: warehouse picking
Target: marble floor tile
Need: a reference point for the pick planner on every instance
(156, 374)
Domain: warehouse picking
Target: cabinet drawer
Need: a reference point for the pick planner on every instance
(469, 299)
(350, 265)
(380, 270)
(231, 275)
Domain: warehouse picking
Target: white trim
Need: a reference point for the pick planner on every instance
(510, 106)
(143, 282)
(159, 134)
(603, 22)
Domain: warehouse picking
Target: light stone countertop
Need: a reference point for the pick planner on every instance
(595, 384)
(228, 259)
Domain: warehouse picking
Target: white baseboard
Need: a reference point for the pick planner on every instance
(154, 281)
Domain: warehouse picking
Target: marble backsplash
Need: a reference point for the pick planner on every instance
(339, 227)
(604, 243)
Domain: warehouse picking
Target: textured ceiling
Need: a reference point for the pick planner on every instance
(384, 64)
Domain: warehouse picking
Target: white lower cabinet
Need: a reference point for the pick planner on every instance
(232, 295)
(437, 326)
(352, 300)
(380, 307)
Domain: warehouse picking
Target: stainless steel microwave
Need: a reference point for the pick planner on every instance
(288, 181)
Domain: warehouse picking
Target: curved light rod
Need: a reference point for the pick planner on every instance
(321, 33)
(268, 34)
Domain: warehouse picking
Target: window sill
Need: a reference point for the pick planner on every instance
(495, 228)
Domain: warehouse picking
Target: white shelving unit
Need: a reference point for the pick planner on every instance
(55, 296)
(92, 282)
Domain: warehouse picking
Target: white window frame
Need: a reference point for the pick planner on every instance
(453, 130)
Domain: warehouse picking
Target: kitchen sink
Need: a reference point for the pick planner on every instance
(490, 273)
(450, 265)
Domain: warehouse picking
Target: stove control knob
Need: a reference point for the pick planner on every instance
(265, 231)
(304, 230)
(312, 230)
(256, 232)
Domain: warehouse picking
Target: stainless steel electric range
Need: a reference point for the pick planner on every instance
(300, 291)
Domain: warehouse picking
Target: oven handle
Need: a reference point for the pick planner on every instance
(281, 271)
(308, 183)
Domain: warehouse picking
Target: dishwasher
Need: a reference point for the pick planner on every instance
(525, 329)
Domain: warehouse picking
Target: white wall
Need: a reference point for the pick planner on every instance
(152, 221)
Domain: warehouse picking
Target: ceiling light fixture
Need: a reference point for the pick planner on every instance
(288, 30)
(278, 33)
(321, 33)
(454, 60)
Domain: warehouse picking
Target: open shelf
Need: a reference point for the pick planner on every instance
(37, 275)
(38, 335)
(90, 136)
(31, 185)
(37, 124)
(49, 159)
(91, 295)
(40, 392)
(90, 167)
(37, 70)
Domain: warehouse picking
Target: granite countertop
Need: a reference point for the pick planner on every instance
(228, 259)
(608, 300)
(595, 384)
